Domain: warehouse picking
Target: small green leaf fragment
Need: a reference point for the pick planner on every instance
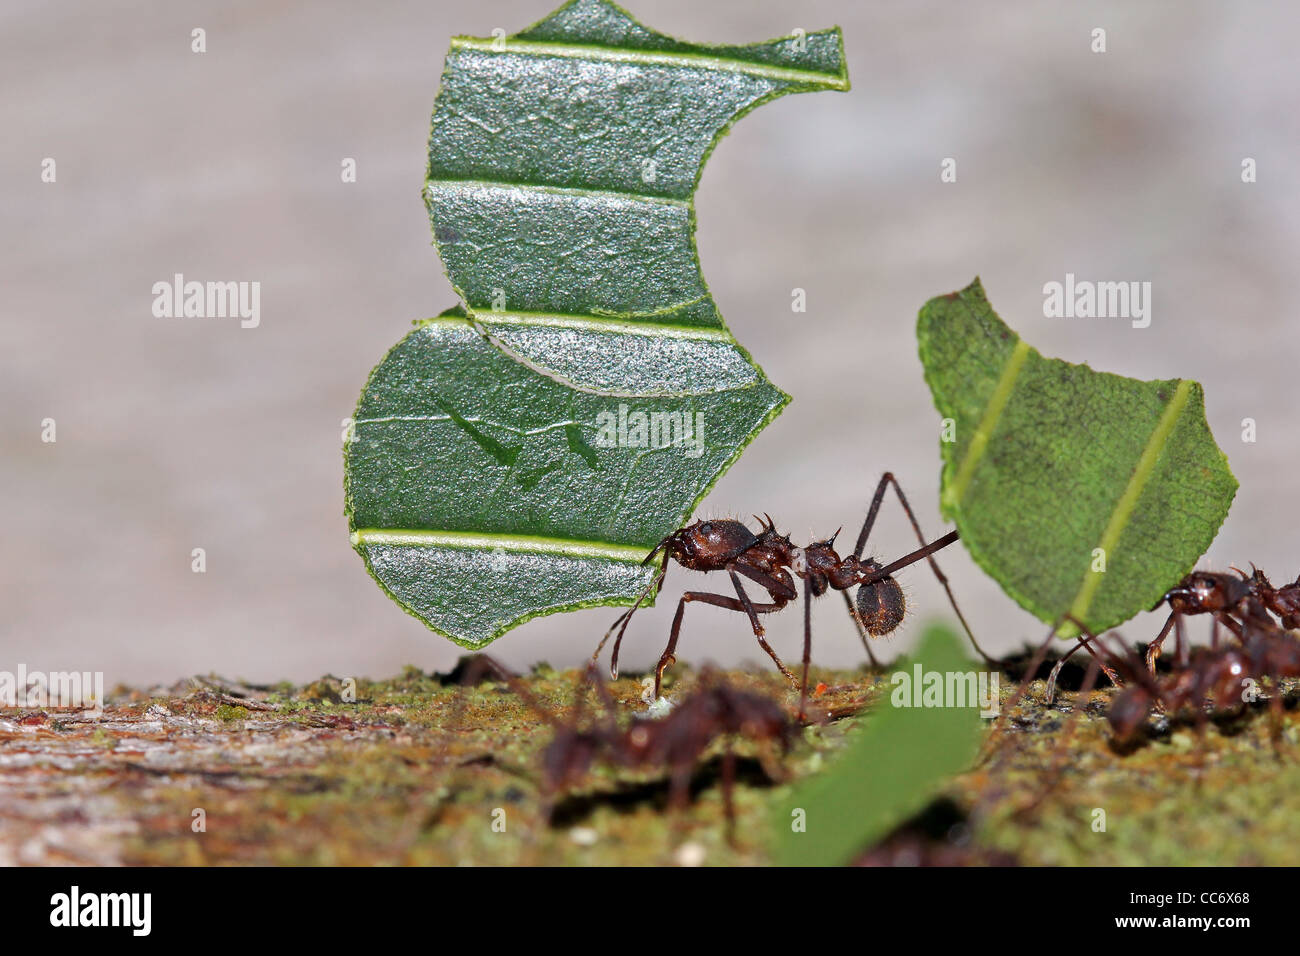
(894, 765)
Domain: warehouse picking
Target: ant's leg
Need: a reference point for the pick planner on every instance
(1059, 764)
(681, 772)
(867, 525)
(807, 645)
(862, 630)
(779, 590)
(1153, 649)
(1230, 624)
(872, 511)
(749, 607)
(1088, 639)
(728, 785)
(607, 702)
(1056, 671)
(1085, 641)
(1106, 668)
(669, 654)
(772, 766)
(1181, 650)
(717, 600)
(1035, 662)
(886, 480)
(753, 610)
(679, 786)
(623, 619)
(781, 593)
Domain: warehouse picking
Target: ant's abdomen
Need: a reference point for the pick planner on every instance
(881, 606)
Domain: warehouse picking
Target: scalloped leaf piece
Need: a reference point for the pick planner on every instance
(521, 453)
(1080, 492)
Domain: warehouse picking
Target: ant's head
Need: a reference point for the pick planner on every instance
(1203, 592)
(569, 756)
(1129, 711)
(707, 544)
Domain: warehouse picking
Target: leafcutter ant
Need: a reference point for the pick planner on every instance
(1222, 675)
(1238, 602)
(770, 560)
(715, 710)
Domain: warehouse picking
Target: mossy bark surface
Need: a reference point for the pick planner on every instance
(418, 770)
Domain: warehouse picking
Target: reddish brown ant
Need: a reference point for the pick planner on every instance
(715, 710)
(771, 560)
(1222, 675)
(1240, 603)
(1216, 674)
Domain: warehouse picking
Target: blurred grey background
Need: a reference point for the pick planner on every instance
(176, 434)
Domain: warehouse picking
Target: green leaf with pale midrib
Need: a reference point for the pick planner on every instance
(477, 492)
(1053, 460)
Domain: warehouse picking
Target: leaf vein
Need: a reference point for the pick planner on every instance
(781, 74)
(1119, 518)
(531, 544)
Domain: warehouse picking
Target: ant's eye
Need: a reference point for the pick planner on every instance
(706, 528)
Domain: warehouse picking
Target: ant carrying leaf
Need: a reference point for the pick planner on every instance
(770, 560)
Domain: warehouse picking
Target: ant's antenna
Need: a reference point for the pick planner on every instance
(625, 618)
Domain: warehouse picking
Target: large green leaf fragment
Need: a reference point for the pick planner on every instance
(520, 454)
(482, 492)
(893, 766)
(1080, 492)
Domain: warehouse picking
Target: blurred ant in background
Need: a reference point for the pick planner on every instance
(770, 560)
(716, 709)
